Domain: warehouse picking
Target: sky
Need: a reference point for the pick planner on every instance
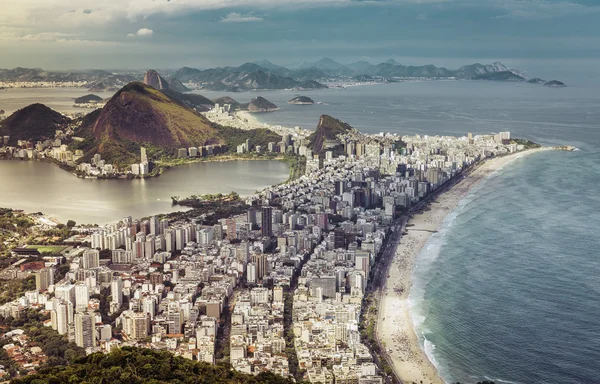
(138, 34)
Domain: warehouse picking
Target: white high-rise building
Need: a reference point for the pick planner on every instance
(98, 240)
(154, 226)
(116, 293)
(82, 297)
(251, 273)
(65, 292)
(59, 317)
(91, 259)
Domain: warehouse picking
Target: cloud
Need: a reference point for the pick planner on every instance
(541, 9)
(144, 32)
(47, 36)
(235, 17)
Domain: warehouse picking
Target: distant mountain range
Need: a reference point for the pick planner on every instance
(266, 75)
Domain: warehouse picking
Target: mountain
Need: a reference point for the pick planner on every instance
(555, 84)
(186, 74)
(192, 100)
(328, 66)
(310, 84)
(38, 74)
(88, 99)
(360, 66)
(139, 114)
(153, 79)
(34, 122)
(140, 366)
(112, 83)
(301, 100)
(392, 62)
(499, 76)
(260, 104)
(309, 74)
(386, 70)
(325, 135)
(176, 85)
(536, 80)
(228, 100)
(246, 77)
(267, 65)
(474, 70)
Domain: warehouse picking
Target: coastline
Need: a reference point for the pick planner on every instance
(395, 328)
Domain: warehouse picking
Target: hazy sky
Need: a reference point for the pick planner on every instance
(114, 34)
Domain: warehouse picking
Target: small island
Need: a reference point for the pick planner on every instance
(536, 80)
(555, 84)
(301, 100)
(88, 99)
(260, 104)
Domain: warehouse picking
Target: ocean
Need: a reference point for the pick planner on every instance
(508, 289)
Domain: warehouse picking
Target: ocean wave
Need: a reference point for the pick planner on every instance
(429, 349)
(501, 380)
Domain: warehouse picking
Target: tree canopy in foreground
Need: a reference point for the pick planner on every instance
(136, 365)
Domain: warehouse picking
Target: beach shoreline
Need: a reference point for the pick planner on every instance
(395, 329)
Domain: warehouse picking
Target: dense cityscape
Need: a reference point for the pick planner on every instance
(279, 288)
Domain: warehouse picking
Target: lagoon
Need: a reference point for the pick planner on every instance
(43, 187)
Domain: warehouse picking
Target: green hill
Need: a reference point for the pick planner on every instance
(555, 84)
(144, 366)
(500, 76)
(260, 104)
(301, 100)
(193, 100)
(141, 115)
(34, 122)
(327, 130)
(88, 99)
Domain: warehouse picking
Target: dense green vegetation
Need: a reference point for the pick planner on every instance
(13, 226)
(55, 346)
(5, 360)
(500, 76)
(301, 100)
(297, 166)
(12, 289)
(91, 98)
(144, 366)
(34, 122)
(528, 144)
(235, 136)
(260, 104)
(209, 208)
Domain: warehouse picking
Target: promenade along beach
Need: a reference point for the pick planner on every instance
(395, 328)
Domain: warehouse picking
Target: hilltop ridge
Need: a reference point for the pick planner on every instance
(326, 133)
(34, 122)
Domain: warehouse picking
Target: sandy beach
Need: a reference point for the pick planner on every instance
(394, 328)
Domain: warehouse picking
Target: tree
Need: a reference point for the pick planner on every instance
(71, 224)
